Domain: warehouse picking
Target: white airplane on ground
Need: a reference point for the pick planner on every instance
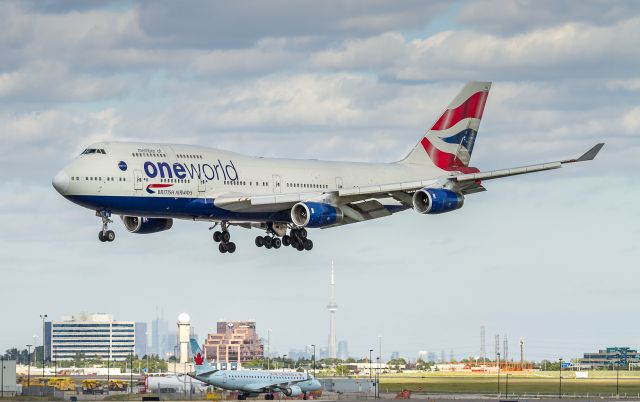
(149, 185)
(252, 382)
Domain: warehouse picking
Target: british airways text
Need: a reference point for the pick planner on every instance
(215, 171)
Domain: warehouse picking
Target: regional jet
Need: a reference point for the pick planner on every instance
(151, 184)
(252, 382)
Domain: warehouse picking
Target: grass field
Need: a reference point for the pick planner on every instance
(531, 383)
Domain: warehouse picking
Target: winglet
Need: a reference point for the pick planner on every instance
(587, 156)
(591, 154)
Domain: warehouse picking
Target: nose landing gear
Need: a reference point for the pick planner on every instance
(223, 237)
(105, 234)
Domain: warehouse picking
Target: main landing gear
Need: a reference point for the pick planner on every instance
(269, 397)
(223, 237)
(105, 234)
(297, 238)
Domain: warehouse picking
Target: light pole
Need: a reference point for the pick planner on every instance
(560, 383)
(43, 316)
(108, 369)
(498, 362)
(2, 377)
(618, 379)
(378, 379)
(131, 372)
(506, 390)
(370, 363)
(314, 361)
(28, 366)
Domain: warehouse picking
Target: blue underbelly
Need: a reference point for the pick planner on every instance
(171, 207)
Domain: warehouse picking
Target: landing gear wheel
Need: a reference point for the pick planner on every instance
(110, 235)
(222, 247)
(226, 236)
(276, 243)
(101, 237)
(299, 246)
(286, 240)
(217, 236)
(303, 233)
(304, 396)
(259, 241)
(268, 242)
(231, 247)
(308, 244)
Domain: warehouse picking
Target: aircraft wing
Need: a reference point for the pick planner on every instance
(496, 174)
(464, 183)
(362, 203)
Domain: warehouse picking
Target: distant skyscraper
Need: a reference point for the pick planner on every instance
(343, 350)
(395, 355)
(141, 339)
(332, 306)
(159, 333)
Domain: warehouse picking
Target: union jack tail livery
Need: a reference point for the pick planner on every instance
(449, 143)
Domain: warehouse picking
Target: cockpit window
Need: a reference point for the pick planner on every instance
(93, 151)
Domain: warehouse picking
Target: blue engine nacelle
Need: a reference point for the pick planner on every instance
(315, 214)
(436, 200)
(292, 390)
(142, 225)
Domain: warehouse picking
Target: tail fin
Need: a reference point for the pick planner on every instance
(200, 362)
(449, 143)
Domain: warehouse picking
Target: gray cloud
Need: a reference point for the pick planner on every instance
(508, 17)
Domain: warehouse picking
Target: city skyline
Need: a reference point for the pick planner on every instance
(355, 81)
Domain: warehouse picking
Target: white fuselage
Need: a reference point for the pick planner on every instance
(164, 180)
(259, 380)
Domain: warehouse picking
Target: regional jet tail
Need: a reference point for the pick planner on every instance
(252, 382)
(150, 184)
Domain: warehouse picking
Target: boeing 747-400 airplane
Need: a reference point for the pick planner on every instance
(252, 382)
(149, 185)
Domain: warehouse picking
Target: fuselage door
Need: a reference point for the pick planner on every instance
(137, 180)
(277, 188)
(224, 378)
(202, 185)
(338, 183)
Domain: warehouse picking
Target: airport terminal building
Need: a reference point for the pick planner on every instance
(89, 336)
(610, 357)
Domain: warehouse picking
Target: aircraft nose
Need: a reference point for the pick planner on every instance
(61, 182)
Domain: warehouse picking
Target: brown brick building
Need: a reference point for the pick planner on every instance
(234, 339)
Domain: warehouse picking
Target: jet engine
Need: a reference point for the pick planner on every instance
(142, 225)
(292, 390)
(436, 200)
(315, 214)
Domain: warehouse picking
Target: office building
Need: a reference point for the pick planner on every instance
(610, 357)
(90, 336)
(343, 350)
(141, 339)
(234, 341)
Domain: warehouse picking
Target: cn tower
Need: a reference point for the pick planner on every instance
(332, 307)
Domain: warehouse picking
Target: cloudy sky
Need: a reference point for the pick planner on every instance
(552, 257)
